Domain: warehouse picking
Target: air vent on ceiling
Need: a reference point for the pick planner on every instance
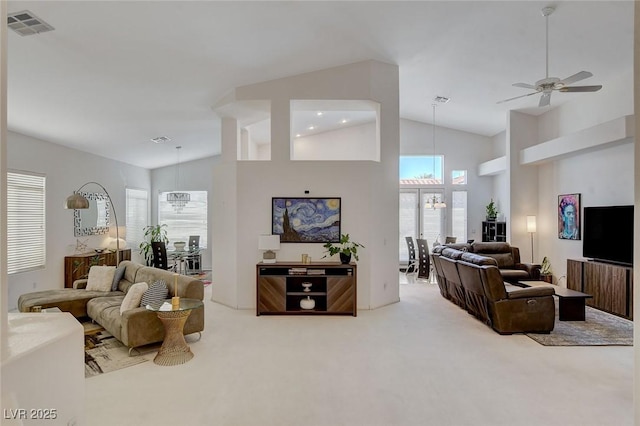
(26, 23)
(160, 139)
(441, 99)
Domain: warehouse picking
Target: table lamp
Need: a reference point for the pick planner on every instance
(269, 243)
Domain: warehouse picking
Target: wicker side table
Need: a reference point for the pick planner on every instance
(174, 349)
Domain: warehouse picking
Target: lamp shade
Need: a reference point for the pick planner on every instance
(76, 201)
(531, 224)
(269, 242)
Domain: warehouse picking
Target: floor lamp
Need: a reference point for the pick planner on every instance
(531, 229)
(78, 202)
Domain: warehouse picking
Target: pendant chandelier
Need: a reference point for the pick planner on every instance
(176, 198)
(434, 201)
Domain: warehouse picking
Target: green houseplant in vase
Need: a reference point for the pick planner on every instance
(492, 211)
(345, 248)
(545, 271)
(152, 233)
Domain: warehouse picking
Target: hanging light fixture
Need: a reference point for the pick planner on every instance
(434, 202)
(176, 198)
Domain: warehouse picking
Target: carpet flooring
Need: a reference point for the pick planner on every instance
(103, 353)
(598, 329)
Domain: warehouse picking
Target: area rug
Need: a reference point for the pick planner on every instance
(103, 353)
(204, 276)
(598, 329)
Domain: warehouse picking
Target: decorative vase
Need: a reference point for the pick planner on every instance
(345, 258)
(307, 303)
(179, 245)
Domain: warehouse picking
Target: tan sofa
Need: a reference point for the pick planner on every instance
(135, 327)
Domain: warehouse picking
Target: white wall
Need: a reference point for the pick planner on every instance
(500, 188)
(350, 143)
(66, 170)
(603, 177)
(195, 175)
(462, 151)
(523, 184)
(369, 190)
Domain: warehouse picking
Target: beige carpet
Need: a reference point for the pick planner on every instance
(598, 329)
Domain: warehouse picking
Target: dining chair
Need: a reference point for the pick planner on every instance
(424, 261)
(412, 264)
(194, 257)
(160, 259)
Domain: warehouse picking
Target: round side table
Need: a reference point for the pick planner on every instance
(174, 349)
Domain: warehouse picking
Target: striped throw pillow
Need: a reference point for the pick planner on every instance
(157, 292)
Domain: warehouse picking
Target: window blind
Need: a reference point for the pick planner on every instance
(26, 230)
(192, 220)
(137, 206)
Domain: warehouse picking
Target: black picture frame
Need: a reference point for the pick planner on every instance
(306, 219)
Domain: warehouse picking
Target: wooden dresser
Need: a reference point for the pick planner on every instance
(610, 285)
(77, 266)
(281, 286)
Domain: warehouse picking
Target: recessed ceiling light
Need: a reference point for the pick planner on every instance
(160, 139)
(311, 127)
(319, 113)
(344, 120)
(298, 135)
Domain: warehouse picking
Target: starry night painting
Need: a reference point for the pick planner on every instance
(306, 220)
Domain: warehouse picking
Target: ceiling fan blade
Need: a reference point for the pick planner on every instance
(517, 97)
(576, 77)
(545, 99)
(525, 85)
(581, 88)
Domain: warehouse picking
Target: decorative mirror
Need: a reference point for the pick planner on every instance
(95, 219)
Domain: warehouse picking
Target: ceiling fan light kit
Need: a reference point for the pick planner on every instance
(547, 85)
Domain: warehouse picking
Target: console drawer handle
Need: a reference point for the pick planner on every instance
(531, 302)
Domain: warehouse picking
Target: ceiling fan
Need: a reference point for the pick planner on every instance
(547, 85)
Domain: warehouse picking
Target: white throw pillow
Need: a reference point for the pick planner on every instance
(133, 297)
(100, 278)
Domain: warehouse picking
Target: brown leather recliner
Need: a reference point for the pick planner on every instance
(508, 260)
(448, 262)
(476, 300)
(527, 310)
(441, 280)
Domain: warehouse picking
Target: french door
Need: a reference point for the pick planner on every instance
(418, 221)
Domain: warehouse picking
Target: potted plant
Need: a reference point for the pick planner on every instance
(345, 248)
(545, 271)
(492, 211)
(152, 233)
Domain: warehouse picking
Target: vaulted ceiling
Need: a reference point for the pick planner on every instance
(113, 75)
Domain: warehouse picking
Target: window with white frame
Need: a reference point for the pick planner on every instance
(459, 177)
(421, 170)
(191, 220)
(459, 215)
(26, 220)
(137, 215)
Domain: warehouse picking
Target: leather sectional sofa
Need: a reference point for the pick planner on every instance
(135, 327)
(475, 283)
(507, 258)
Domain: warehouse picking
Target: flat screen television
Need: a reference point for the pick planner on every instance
(608, 234)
